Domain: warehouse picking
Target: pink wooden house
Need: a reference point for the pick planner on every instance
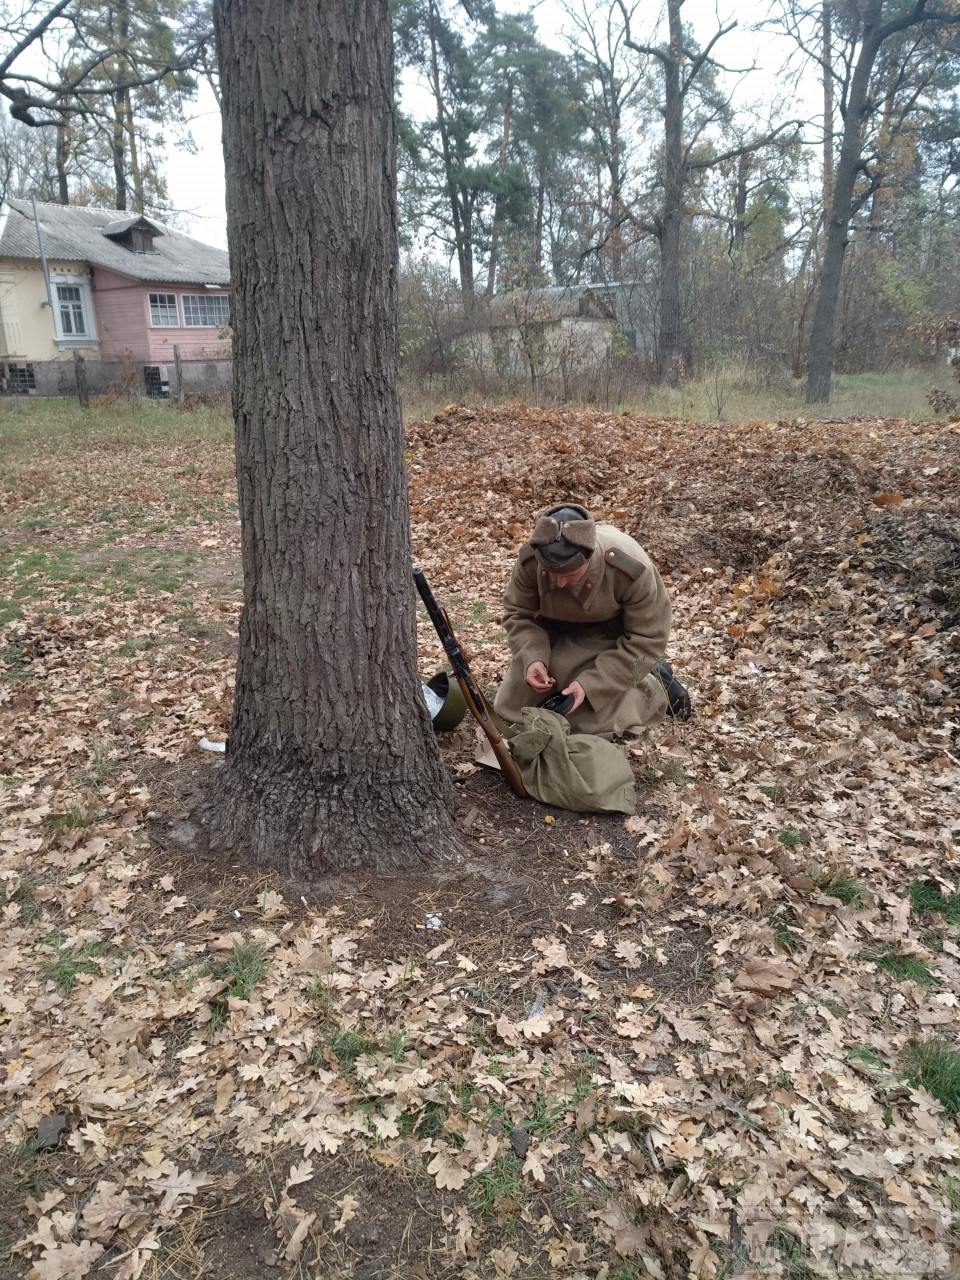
(132, 294)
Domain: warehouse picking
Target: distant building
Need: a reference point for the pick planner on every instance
(543, 331)
(124, 290)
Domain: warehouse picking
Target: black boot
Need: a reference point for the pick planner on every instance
(678, 700)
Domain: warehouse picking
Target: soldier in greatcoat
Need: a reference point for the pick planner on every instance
(587, 615)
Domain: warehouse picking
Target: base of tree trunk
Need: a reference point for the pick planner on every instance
(305, 823)
(818, 388)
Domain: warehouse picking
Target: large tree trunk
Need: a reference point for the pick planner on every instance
(673, 352)
(118, 150)
(827, 57)
(615, 233)
(331, 759)
(62, 160)
(500, 200)
(820, 367)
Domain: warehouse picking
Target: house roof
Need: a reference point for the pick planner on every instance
(83, 234)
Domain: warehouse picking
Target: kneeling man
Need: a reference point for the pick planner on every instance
(587, 615)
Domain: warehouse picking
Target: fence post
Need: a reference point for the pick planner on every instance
(178, 372)
(80, 369)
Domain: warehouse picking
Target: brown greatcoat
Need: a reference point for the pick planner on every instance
(621, 616)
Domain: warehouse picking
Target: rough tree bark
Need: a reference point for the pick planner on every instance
(331, 759)
(500, 201)
(62, 159)
(827, 54)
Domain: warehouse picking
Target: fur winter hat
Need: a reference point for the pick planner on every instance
(564, 539)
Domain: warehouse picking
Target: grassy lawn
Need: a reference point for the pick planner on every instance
(718, 1038)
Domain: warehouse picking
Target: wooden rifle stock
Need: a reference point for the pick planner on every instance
(476, 704)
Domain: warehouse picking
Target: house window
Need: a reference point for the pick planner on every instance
(163, 311)
(20, 380)
(72, 312)
(155, 381)
(206, 310)
(141, 240)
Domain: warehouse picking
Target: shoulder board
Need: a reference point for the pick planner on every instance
(526, 553)
(625, 562)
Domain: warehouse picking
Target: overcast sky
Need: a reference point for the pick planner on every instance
(195, 181)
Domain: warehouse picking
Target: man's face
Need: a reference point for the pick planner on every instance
(562, 580)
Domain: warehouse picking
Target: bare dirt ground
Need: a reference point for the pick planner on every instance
(718, 1039)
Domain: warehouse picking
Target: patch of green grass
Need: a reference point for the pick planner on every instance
(845, 889)
(99, 769)
(626, 1271)
(476, 1033)
(582, 1081)
(784, 925)
(66, 962)
(926, 896)
(320, 997)
(546, 1119)
(500, 1181)
(662, 771)
(189, 623)
(15, 660)
(410, 970)
(425, 1123)
(733, 1264)
(778, 793)
(28, 1149)
(218, 1016)
(245, 967)
(465, 1093)
(935, 1064)
(70, 820)
(348, 1046)
(795, 1264)
(397, 1044)
(863, 1053)
(836, 1007)
(30, 909)
(904, 968)
(135, 645)
(792, 838)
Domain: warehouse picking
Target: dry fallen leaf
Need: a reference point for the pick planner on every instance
(448, 1173)
(302, 1172)
(68, 1261)
(768, 977)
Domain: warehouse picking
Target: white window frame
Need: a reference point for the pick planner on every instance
(64, 280)
(164, 293)
(219, 324)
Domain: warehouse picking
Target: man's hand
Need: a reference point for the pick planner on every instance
(539, 678)
(577, 690)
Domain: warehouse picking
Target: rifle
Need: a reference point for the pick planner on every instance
(474, 699)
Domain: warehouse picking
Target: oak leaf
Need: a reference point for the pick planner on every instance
(768, 977)
(448, 1173)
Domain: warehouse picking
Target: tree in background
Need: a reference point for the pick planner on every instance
(612, 93)
(878, 49)
(105, 79)
(129, 120)
(332, 761)
(449, 181)
(691, 104)
(28, 160)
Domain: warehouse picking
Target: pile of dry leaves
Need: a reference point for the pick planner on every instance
(718, 1039)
